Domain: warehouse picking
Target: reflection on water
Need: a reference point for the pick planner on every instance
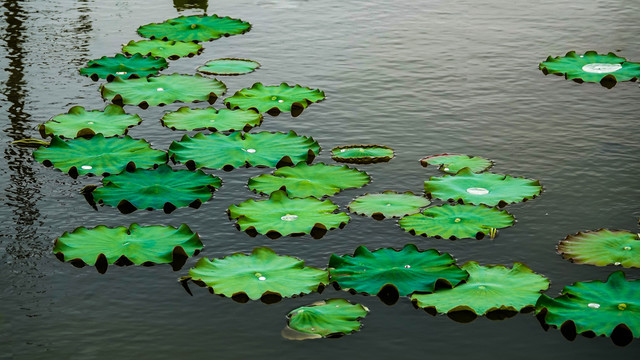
(182, 5)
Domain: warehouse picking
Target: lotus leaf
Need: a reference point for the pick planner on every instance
(260, 274)
(194, 28)
(212, 119)
(281, 216)
(123, 67)
(163, 89)
(600, 308)
(327, 318)
(487, 289)
(305, 180)
(229, 66)
(408, 270)
(452, 163)
(79, 122)
(274, 99)
(171, 50)
(218, 151)
(457, 221)
(387, 204)
(602, 247)
(362, 154)
(162, 188)
(136, 244)
(592, 67)
(484, 188)
(99, 155)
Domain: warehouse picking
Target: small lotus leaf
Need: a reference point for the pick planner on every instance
(212, 119)
(229, 66)
(452, 163)
(99, 155)
(487, 289)
(362, 154)
(79, 122)
(171, 50)
(457, 221)
(281, 216)
(123, 67)
(218, 151)
(327, 318)
(274, 99)
(162, 188)
(602, 247)
(592, 67)
(408, 270)
(305, 180)
(260, 274)
(387, 204)
(484, 188)
(194, 28)
(163, 89)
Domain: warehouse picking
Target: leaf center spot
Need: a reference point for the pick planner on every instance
(289, 217)
(627, 248)
(622, 306)
(593, 305)
(616, 263)
(407, 266)
(87, 167)
(477, 191)
(90, 122)
(251, 151)
(482, 287)
(457, 220)
(159, 89)
(193, 26)
(601, 68)
(121, 73)
(274, 98)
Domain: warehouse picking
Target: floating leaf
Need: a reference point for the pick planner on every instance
(171, 50)
(99, 155)
(123, 67)
(488, 288)
(452, 163)
(387, 204)
(211, 119)
(259, 275)
(457, 221)
(274, 99)
(327, 318)
(484, 188)
(79, 122)
(229, 66)
(194, 28)
(592, 67)
(602, 247)
(162, 188)
(218, 151)
(305, 180)
(163, 89)
(281, 216)
(362, 154)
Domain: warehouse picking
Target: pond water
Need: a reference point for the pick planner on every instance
(420, 76)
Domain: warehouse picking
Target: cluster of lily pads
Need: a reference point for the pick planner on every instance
(295, 202)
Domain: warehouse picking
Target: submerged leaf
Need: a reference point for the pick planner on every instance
(79, 122)
(274, 99)
(123, 67)
(387, 204)
(602, 247)
(172, 50)
(327, 318)
(452, 163)
(194, 28)
(362, 154)
(229, 66)
(211, 119)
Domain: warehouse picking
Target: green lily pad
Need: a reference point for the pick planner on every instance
(194, 28)
(218, 151)
(362, 154)
(305, 180)
(139, 245)
(610, 308)
(281, 216)
(212, 119)
(408, 270)
(162, 188)
(229, 66)
(602, 247)
(327, 318)
(259, 275)
(592, 67)
(78, 122)
(387, 204)
(123, 67)
(484, 188)
(162, 90)
(99, 155)
(488, 288)
(274, 99)
(457, 221)
(171, 50)
(452, 163)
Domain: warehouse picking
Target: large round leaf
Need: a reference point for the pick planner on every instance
(592, 67)
(484, 188)
(212, 119)
(99, 155)
(387, 204)
(218, 151)
(262, 273)
(274, 99)
(457, 221)
(123, 67)
(362, 154)
(452, 163)
(79, 122)
(327, 318)
(487, 289)
(163, 89)
(162, 188)
(408, 270)
(194, 28)
(602, 247)
(229, 66)
(281, 216)
(172, 50)
(305, 180)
